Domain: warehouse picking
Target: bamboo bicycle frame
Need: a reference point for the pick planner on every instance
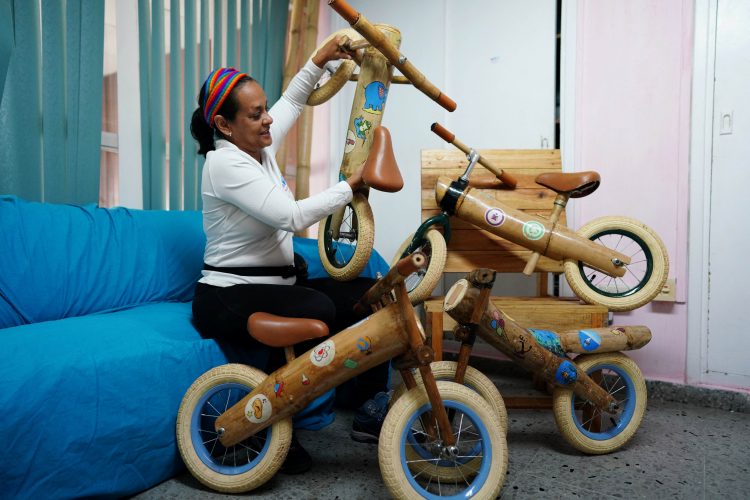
(373, 83)
(393, 330)
(535, 233)
(467, 303)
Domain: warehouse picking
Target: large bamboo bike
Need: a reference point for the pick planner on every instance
(234, 423)
(345, 238)
(613, 261)
(598, 398)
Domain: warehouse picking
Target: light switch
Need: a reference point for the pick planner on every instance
(726, 123)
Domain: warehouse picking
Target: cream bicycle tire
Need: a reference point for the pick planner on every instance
(474, 380)
(194, 451)
(656, 258)
(398, 426)
(427, 278)
(363, 223)
(598, 442)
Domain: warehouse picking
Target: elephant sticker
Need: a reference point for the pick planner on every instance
(375, 95)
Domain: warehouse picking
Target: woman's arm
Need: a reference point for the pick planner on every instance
(244, 185)
(287, 109)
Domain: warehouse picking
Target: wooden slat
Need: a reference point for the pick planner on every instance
(543, 159)
(551, 313)
(502, 262)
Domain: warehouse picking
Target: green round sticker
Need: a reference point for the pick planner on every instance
(533, 230)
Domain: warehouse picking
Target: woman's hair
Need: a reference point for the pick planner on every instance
(200, 128)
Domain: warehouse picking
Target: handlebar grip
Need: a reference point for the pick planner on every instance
(446, 102)
(443, 132)
(508, 179)
(344, 10)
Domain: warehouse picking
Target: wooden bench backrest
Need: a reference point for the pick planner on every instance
(470, 247)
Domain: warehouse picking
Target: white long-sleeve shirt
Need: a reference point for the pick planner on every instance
(249, 212)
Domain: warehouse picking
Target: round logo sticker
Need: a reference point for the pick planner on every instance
(533, 230)
(258, 409)
(351, 141)
(494, 217)
(323, 354)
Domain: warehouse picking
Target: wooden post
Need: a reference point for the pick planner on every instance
(291, 67)
(304, 127)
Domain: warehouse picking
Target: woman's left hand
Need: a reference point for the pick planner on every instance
(332, 51)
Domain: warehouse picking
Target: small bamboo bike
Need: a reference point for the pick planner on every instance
(598, 398)
(613, 261)
(234, 423)
(345, 238)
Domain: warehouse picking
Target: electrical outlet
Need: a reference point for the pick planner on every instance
(668, 292)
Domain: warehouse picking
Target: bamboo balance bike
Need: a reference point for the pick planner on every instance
(598, 397)
(613, 261)
(345, 239)
(234, 423)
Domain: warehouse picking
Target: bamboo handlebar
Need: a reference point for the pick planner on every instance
(403, 268)
(378, 40)
(450, 138)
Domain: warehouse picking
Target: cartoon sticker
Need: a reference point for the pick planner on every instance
(520, 347)
(278, 388)
(589, 339)
(618, 331)
(497, 323)
(566, 373)
(305, 380)
(350, 363)
(258, 409)
(533, 230)
(361, 126)
(323, 354)
(364, 344)
(351, 141)
(549, 340)
(375, 95)
(494, 217)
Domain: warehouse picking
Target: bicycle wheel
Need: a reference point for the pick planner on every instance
(587, 428)
(344, 251)
(473, 379)
(330, 84)
(241, 467)
(644, 277)
(480, 453)
(477, 382)
(421, 284)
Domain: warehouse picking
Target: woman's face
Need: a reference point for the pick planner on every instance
(251, 127)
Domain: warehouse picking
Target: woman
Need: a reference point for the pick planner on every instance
(250, 215)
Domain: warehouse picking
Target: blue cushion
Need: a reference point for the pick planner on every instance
(60, 261)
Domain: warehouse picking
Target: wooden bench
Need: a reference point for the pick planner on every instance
(470, 247)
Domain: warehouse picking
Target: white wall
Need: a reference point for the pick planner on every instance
(495, 59)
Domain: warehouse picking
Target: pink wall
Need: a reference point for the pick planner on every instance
(633, 75)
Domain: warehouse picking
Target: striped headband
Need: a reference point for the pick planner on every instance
(216, 89)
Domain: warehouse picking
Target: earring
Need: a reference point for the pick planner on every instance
(230, 134)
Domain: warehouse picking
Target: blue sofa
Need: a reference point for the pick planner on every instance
(97, 346)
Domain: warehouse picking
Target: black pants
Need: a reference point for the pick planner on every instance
(221, 313)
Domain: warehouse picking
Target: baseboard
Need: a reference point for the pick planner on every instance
(706, 397)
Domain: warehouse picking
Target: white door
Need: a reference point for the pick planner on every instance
(728, 351)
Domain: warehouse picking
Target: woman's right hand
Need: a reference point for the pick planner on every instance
(355, 180)
(334, 49)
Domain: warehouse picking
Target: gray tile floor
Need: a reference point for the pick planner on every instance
(681, 450)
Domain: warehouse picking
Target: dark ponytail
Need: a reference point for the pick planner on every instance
(200, 130)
